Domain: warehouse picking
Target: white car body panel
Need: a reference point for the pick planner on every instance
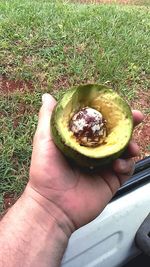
(108, 241)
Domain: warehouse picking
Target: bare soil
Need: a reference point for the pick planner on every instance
(125, 2)
(8, 202)
(8, 85)
(142, 132)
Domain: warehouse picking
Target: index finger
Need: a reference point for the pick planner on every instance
(133, 149)
(137, 117)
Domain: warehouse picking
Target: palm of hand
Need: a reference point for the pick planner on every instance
(72, 190)
(81, 196)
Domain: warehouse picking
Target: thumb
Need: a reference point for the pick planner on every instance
(43, 128)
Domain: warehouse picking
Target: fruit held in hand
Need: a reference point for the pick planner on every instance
(91, 125)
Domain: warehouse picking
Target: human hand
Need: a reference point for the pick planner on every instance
(77, 196)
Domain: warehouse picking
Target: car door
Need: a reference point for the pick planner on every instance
(109, 240)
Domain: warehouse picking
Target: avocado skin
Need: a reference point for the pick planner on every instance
(75, 156)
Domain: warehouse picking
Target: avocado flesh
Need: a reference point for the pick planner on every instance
(114, 109)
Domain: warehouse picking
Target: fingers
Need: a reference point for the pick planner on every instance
(124, 169)
(131, 151)
(137, 117)
(43, 128)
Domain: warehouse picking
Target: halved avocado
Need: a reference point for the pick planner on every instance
(114, 110)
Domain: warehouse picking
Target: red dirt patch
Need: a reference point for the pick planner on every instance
(7, 85)
(9, 200)
(142, 132)
(124, 2)
(61, 82)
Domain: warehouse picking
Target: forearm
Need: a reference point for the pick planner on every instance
(30, 236)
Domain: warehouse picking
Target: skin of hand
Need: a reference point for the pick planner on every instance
(72, 196)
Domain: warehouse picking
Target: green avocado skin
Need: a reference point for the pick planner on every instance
(80, 159)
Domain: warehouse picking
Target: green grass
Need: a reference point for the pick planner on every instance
(55, 44)
(16, 139)
(48, 42)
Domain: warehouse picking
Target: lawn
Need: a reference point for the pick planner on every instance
(124, 2)
(47, 46)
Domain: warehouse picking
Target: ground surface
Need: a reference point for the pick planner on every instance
(49, 46)
(125, 2)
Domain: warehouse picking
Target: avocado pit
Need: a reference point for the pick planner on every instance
(89, 127)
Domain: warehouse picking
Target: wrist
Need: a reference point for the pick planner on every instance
(48, 213)
(35, 234)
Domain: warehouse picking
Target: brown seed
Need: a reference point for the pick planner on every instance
(88, 126)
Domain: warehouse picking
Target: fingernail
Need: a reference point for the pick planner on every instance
(46, 98)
